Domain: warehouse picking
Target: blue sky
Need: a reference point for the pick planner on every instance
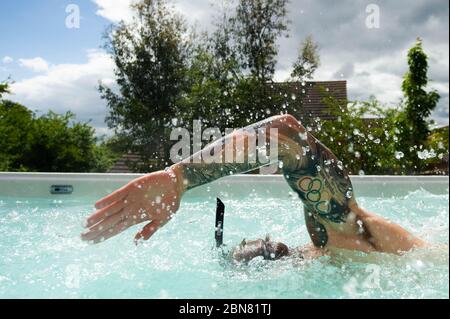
(37, 28)
(58, 68)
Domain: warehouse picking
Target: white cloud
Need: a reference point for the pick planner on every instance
(69, 87)
(382, 76)
(115, 10)
(37, 64)
(7, 59)
(194, 11)
(198, 12)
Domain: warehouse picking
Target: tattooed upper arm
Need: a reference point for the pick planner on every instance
(321, 182)
(316, 230)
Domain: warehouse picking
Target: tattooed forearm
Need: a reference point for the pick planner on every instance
(197, 172)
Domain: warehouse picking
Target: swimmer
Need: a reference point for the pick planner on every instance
(334, 219)
(265, 248)
(269, 250)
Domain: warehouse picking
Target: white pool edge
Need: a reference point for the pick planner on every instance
(97, 185)
(8, 176)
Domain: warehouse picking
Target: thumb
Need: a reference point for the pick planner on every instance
(147, 231)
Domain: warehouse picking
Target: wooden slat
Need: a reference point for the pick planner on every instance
(315, 92)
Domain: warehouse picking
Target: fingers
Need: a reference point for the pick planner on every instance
(119, 194)
(118, 228)
(105, 212)
(148, 230)
(103, 226)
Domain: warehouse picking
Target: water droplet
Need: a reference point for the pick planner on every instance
(303, 136)
(399, 155)
(426, 154)
(350, 148)
(305, 150)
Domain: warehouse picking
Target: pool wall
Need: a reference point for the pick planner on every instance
(98, 185)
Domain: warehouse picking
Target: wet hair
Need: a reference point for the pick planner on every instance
(276, 250)
(265, 248)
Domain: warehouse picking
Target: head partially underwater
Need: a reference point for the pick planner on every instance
(249, 249)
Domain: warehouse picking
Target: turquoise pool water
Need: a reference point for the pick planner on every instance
(41, 255)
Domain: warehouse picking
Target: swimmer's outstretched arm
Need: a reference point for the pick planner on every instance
(309, 167)
(156, 196)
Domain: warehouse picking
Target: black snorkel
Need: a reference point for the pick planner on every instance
(220, 213)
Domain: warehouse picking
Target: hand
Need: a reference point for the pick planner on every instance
(154, 197)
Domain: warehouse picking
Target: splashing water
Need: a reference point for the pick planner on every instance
(42, 255)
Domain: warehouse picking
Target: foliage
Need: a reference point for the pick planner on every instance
(364, 136)
(49, 143)
(3, 89)
(437, 150)
(418, 102)
(367, 137)
(168, 76)
(15, 131)
(150, 54)
(371, 138)
(308, 60)
(104, 156)
(257, 25)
